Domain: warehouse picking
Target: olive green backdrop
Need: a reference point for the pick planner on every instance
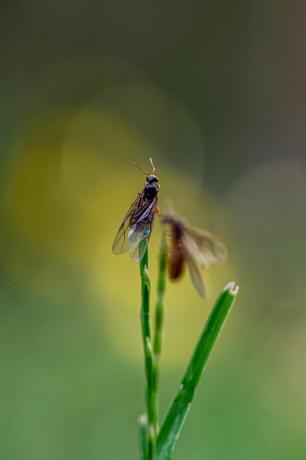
(215, 93)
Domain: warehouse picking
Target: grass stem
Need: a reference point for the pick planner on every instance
(142, 436)
(148, 356)
(158, 329)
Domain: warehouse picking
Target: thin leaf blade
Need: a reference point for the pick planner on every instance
(180, 407)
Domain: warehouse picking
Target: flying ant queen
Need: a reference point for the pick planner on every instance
(136, 227)
(192, 248)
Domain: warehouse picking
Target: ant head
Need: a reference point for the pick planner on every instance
(152, 178)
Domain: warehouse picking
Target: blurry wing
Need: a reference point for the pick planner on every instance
(195, 276)
(191, 256)
(120, 243)
(207, 250)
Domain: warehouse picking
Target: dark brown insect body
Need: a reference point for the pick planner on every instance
(190, 247)
(136, 227)
(176, 258)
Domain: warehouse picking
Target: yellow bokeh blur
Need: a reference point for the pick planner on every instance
(64, 203)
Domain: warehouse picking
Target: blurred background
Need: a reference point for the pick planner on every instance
(215, 93)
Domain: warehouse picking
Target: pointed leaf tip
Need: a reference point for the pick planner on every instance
(232, 288)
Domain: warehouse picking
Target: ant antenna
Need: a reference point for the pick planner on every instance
(142, 170)
(153, 167)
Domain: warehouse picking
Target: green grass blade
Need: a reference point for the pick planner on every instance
(179, 409)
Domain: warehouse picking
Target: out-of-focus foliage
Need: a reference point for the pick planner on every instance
(215, 94)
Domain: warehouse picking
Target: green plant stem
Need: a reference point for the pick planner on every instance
(148, 356)
(180, 407)
(158, 330)
(142, 436)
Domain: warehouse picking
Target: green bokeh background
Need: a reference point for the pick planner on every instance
(215, 93)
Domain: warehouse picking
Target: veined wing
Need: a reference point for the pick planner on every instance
(120, 243)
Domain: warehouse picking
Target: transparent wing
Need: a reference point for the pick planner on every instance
(137, 252)
(120, 243)
(140, 232)
(190, 253)
(195, 276)
(206, 249)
